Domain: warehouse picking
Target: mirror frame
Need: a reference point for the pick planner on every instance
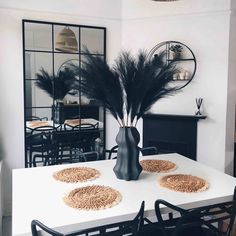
(53, 52)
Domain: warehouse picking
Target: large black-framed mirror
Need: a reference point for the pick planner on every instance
(61, 124)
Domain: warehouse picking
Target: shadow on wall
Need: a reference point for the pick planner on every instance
(1, 148)
(5, 185)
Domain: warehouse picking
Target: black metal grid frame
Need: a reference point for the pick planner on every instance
(53, 52)
(192, 59)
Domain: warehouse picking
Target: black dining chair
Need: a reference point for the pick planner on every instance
(145, 151)
(130, 227)
(40, 147)
(86, 135)
(202, 221)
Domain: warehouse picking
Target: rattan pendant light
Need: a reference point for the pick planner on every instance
(66, 41)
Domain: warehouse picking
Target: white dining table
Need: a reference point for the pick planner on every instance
(37, 195)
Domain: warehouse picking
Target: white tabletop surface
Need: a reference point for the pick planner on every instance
(36, 195)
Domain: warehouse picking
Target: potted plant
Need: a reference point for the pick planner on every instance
(175, 51)
(127, 89)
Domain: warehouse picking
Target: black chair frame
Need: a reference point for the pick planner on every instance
(131, 227)
(201, 221)
(40, 142)
(145, 151)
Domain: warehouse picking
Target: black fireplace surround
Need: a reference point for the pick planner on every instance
(171, 133)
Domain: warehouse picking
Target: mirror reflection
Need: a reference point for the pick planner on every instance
(61, 124)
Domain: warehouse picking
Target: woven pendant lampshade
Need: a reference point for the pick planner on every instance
(66, 41)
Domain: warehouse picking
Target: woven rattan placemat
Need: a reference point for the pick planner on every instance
(76, 174)
(151, 165)
(184, 183)
(36, 124)
(73, 122)
(94, 197)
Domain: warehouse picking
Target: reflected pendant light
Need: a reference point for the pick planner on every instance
(66, 41)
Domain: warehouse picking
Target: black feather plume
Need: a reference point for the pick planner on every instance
(128, 88)
(56, 86)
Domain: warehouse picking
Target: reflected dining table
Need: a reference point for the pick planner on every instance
(37, 195)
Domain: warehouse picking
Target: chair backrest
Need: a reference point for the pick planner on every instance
(205, 220)
(90, 156)
(131, 227)
(84, 126)
(145, 151)
(34, 118)
(111, 151)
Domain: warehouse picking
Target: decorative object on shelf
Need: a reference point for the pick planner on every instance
(184, 183)
(181, 74)
(94, 197)
(175, 51)
(183, 58)
(127, 89)
(199, 104)
(66, 41)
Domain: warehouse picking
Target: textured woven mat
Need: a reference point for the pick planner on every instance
(36, 124)
(73, 122)
(94, 197)
(184, 183)
(157, 165)
(76, 174)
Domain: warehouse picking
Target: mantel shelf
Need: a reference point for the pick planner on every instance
(175, 117)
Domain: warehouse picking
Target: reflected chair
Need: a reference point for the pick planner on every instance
(131, 227)
(40, 147)
(146, 151)
(76, 143)
(201, 221)
(34, 118)
(86, 135)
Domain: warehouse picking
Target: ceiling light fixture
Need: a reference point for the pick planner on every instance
(164, 0)
(66, 41)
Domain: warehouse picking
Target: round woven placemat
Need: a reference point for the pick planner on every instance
(184, 183)
(157, 165)
(36, 124)
(76, 174)
(94, 197)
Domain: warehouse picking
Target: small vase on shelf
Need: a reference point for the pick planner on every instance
(198, 103)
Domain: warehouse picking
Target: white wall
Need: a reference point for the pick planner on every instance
(11, 85)
(105, 9)
(203, 26)
(231, 93)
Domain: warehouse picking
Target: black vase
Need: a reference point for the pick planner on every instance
(127, 165)
(58, 113)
